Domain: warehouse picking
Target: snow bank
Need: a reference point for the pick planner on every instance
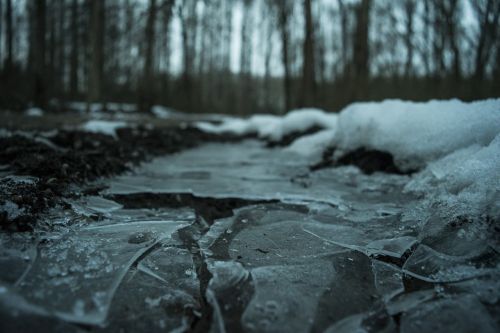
(312, 146)
(103, 126)
(273, 127)
(34, 112)
(83, 107)
(163, 112)
(416, 133)
(463, 183)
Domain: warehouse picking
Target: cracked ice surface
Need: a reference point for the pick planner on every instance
(250, 171)
(328, 251)
(300, 269)
(92, 262)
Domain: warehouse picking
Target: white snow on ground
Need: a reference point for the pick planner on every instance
(312, 146)
(103, 126)
(162, 112)
(465, 182)
(34, 112)
(273, 127)
(82, 107)
(416, 133)
(455, 144)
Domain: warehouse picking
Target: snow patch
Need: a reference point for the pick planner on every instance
(312, 146)
(273, 127)
(103, 126)
(163, 112)
(34, 112)
(416, 133)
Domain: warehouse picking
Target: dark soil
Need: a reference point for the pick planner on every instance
(368, 161)
(73, 157)
(288, 139)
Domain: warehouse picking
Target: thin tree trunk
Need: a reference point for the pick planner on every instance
(361, 51)
(74, 57)
(409, 12)
(40, 98)
(9, 36)
(1, 33)
(61, 56)
(96, 42)
(308, 75)
(146, 87)
(283, 23)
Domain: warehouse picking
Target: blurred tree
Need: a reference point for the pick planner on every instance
(308, 88)
(146, 87)
(39, 65)
(409, 10)
(488, 16)
(361, 51)
(96, 43)
(75, 50)
(9, 36)
(284, 13)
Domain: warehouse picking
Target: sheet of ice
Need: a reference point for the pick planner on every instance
(107, 127)
(164, 289)
(273, 127)
(416, 133)
(90, 262)
(430, 265)
(222, 171)
(297, 282)
(457, 314)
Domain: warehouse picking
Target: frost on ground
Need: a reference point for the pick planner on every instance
(238, 236)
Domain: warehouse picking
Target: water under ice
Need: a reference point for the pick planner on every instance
(327, 251)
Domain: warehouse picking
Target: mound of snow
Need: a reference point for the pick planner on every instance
(312, 146)
(34, 112)
(416, 133)
(103, 126)
(465, 182)
(273, 127)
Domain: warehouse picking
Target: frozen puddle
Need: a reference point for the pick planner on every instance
(238, 237)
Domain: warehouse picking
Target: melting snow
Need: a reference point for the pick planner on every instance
(107, 127)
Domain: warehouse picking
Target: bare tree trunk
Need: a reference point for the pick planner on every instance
(308, 73)
(427, 37)
(361, 51)
(488, 16)
(188, 18)
(74, 57)
(166, 19)
(409, 8)
(51, 70)
(61, 56)
(39, 96)
(284, 13)
(268, 53)
(9, 36)
(146, 87)
(96, 42)
(245, 89)
(1, 33)
(344, 24)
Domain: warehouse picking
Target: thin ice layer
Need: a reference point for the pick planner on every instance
(91, 263)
